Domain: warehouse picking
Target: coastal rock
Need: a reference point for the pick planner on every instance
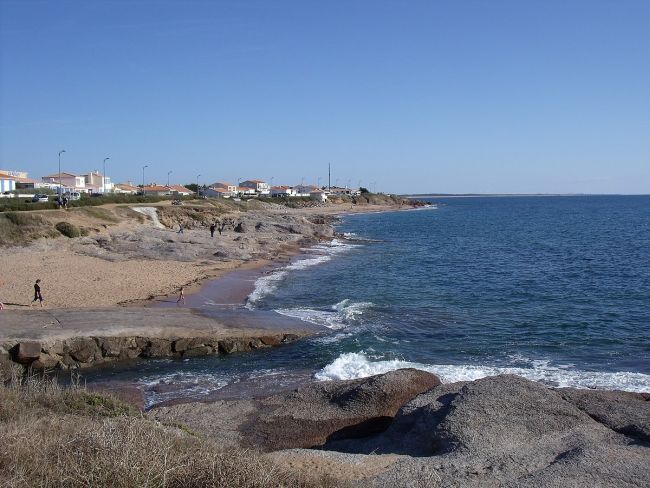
(82, 349)
(309, 416)
(228, 346)
(624, 412)
(505, 415)
(503, 431)
(27, 352)
(46, 361)
(116, 347)
(157, 348)
(198, 351)
(53, 348)
(181, 345)
(270, 340)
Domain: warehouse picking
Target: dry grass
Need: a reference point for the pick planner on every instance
(68, 437)
(20, 228)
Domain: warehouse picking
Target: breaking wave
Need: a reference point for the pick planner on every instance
(359, 365)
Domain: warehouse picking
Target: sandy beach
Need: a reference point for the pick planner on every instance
(126, 259)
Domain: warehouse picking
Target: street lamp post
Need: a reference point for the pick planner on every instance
(197, 185)
(238, 191)
(104, 177)
(168, 173)
(61, 151)
(145, 166)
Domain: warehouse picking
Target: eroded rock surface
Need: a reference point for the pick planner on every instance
(309, 416)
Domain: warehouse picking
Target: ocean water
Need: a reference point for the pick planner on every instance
(556, 289)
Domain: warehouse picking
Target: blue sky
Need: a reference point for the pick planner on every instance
(417, 96)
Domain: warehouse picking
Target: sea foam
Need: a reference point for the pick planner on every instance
(339, 316)
(322, 253)
(359, 365)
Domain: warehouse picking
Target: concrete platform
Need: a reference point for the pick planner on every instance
(44, 324)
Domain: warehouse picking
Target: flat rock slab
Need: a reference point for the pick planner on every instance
(44, 324)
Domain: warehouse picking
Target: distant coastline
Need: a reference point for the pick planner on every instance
(479, 195)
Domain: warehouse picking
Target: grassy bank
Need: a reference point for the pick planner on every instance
(69, 437)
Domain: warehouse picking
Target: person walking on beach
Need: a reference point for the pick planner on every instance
(37, 293)
(212, 229)
(180, 228)
(181, 296)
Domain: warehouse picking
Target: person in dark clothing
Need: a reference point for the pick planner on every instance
(212, 229)
(37, 293)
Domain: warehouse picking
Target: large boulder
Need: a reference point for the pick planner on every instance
(157, 348)
(508, 431)
(119, 347)
(27, 352)
(46, 361)
(82, 349)
(309, 416)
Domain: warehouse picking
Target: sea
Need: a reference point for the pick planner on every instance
(554, 289)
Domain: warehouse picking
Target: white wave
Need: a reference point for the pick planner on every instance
(350, 310)
(358, 365)
(340, 316)
(267, 284)
(152, 213)
(307, 262)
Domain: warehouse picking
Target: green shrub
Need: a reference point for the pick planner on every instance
(68, 229)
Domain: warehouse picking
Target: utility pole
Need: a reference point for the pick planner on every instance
(168, 173)
(104, 177)
(329, 177)
(61, 151)
(145, 166)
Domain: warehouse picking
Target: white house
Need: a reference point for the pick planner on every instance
(283, 191)
(180, 190)
(7, 182)
(246, 191)
(98, 183)
(221, 189)
(218, 192)
(69, 181)
(225, 186)
(260, 187)
(304, 190)
(318, 195)
(344, 191)
(156, 190)
(125, 189)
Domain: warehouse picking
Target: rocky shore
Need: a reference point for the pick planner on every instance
(82, 338)
(405, 428)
